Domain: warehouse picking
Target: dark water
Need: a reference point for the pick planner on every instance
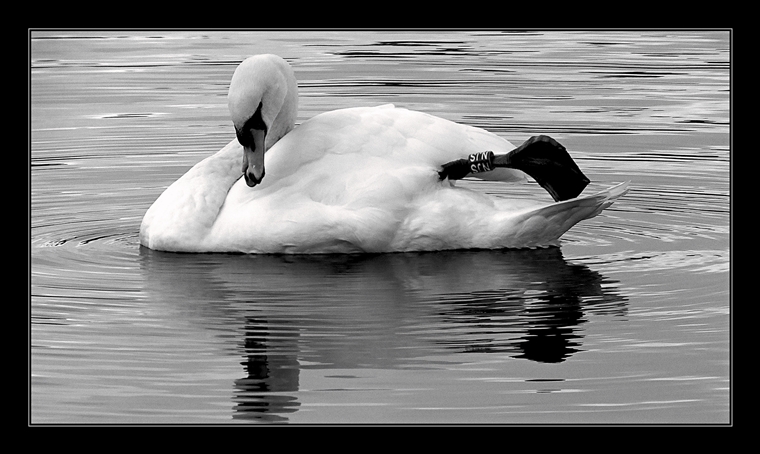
(627, 322)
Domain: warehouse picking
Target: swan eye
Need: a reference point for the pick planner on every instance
(244, 137)
(245, 134)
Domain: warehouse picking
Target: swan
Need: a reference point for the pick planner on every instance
(360, 180)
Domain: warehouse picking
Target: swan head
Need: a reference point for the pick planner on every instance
(263, 103)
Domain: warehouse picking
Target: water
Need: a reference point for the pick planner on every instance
(627, 322)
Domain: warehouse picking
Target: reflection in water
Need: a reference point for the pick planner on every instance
(545, 309)
(259, 394)
(289, 313)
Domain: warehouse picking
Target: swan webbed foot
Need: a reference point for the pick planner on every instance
(549, 163)
(541, 157)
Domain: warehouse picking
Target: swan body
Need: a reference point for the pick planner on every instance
(352, 180)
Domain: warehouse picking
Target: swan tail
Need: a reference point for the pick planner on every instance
(544, 225)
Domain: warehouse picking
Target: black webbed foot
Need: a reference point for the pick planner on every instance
(541, 157)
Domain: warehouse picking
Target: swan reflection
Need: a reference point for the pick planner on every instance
(284, 314)
(263, 394)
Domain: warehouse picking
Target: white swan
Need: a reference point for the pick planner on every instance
(352, 180)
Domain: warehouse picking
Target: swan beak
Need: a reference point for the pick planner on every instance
(253, 159)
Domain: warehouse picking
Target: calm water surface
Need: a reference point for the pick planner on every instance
(627, 322)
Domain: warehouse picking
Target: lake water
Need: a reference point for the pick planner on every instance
(627, 322)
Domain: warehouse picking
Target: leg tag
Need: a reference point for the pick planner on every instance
(481, 162)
